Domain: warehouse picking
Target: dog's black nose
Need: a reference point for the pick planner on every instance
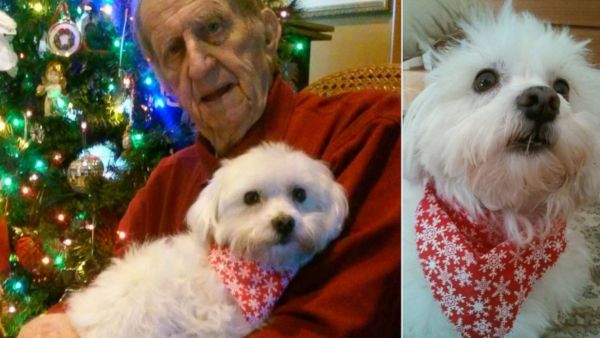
(284, 225)
(539, 104)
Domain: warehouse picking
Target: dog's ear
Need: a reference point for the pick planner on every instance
(411, 166)
(339, 206)
(203, 215)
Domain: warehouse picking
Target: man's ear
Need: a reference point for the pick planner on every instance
(272, 30)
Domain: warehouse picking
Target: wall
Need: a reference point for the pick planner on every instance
(359, 40)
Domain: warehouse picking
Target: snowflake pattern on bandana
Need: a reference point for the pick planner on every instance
(255, 287)
(479, 279)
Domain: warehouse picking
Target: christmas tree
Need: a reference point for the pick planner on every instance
(83, 121)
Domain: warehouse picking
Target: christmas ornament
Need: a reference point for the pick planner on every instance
(64, 38)
(57, 158)
(30, 254)
(53, 86)
(479, 279)
(126, 142)
(81, 169)
(8, 57)
(37, 133)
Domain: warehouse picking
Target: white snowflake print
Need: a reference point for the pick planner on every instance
(254, 304)
(532, 279)
(537, 256)
(452, 303)
(244, 272)
(504, 311)
(463, 329)
(450, 249)
(478, 307)
(501, 288)
(462, 276)
(494, 262)
(428, 237)
(521, 294)
(557, 246)
(501, 331)
(469, 258)
(482, 285)
(431, 264)
(482, 327)
(444, 275)
(520, 274)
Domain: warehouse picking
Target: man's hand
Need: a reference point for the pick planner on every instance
(49, 326)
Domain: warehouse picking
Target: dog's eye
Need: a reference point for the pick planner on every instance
(485, 80)
(562, 87)
(251, 197)
(299, 195)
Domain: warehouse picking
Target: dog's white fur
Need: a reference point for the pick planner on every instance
(458, 138)
(167, 288)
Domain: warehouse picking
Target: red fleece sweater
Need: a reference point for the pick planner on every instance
(352, 289)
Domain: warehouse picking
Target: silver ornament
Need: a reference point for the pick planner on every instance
(83, 168)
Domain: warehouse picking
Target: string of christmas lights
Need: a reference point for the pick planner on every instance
(83, 121)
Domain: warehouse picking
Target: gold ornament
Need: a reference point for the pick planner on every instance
(53, 86)
(126, 140)
(79, 171)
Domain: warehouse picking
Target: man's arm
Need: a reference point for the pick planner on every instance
(353, 288)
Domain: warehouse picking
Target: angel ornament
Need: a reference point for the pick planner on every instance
(53, 86)
(8, 57)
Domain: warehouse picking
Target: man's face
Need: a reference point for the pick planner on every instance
(214, 60)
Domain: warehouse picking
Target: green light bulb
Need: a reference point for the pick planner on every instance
(40, 165)
(17, 286)
(17, 122)
(59, 261)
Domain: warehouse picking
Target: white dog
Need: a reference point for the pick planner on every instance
(262, 216)
(500, 150)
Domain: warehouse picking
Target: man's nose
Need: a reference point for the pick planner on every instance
(200, 61)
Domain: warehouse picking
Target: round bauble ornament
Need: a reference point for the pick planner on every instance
(30, 252)
(80, 170)
(64, 38)
(37, 133)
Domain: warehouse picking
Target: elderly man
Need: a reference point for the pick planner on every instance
(219, 58)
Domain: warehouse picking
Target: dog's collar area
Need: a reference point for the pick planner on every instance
(479, 280)
(255, 287)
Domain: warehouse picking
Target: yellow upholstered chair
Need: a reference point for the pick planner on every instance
(382, 77)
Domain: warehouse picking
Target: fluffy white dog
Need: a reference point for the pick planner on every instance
(263, 215)
(500, 150)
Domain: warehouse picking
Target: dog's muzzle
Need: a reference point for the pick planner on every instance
(540, 105)
(283, 225)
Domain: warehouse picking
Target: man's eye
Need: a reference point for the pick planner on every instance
(213, 27)
(172, 52)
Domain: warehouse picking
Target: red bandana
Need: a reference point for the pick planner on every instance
(255, 287)
(479, 279)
